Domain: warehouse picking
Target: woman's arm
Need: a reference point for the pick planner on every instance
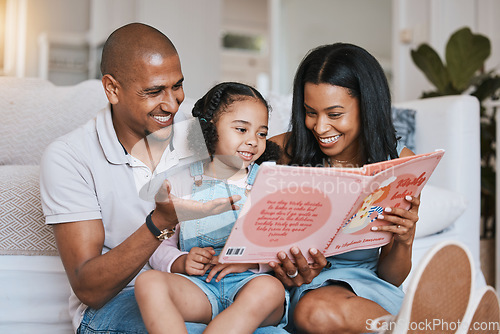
(395, 258)
(297, 272)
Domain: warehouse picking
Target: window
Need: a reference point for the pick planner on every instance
(3, 7)
(243, 42)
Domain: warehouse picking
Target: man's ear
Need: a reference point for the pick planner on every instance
(111, 87)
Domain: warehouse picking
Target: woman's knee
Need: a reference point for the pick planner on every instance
(319, 313)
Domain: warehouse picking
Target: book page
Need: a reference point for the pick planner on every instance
(291, 206)
(372, 169)
(325, 208)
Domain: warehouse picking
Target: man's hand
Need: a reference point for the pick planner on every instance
(171, 209)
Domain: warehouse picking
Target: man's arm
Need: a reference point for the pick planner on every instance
(97, 278)
(73, 209)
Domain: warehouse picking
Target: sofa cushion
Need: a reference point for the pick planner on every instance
(34, 295)
(31, 121)
(404, 123)
(439, 208)
(281, 111)
(22, 225)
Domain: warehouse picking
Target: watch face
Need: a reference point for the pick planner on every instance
(166, 234)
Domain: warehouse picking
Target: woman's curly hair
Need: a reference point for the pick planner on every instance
(217, 101)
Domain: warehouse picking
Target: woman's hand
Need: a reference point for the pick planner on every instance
(298, 273)
(403, 221)
(395, 257)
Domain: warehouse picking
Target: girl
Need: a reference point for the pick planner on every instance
(341, 117)
(228, 297)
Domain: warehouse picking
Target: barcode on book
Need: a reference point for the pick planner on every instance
(235, 251)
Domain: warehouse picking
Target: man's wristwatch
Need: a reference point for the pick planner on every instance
(160, 235)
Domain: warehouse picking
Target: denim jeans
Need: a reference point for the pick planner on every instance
(222, 294)
(122, 315)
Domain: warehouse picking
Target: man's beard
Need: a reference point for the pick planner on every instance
(162, 135)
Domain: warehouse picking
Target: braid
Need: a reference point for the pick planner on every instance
(214, 103)
(198, 108)
(205, 109)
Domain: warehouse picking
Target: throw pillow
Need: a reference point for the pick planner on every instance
(404, 123)
(21, 213)
(281, 111)
(438, 210)
(35, 112)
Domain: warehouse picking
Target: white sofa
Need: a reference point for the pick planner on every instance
(34, 290)
(451, 123)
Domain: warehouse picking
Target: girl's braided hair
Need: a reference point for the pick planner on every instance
(217, 101)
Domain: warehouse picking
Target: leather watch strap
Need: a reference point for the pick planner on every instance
(160, 235)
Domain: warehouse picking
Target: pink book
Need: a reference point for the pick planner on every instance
(331, 209)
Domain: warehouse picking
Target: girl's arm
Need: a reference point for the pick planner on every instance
(166, 254)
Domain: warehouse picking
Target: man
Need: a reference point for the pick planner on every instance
(90, 180)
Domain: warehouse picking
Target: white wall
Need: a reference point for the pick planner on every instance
(247, 18)
(308, 24)
(488, 23)
(433, 22)
(51, 16)
(194, 27)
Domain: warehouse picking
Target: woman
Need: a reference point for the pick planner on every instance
(341, 117)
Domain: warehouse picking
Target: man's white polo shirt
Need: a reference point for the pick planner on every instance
(87, 175)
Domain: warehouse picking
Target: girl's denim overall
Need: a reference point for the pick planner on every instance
(213, 231)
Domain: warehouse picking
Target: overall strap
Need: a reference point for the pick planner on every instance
(252, 173)
(196, 170)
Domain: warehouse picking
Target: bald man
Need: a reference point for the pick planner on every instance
(89, 181)
(104, 229)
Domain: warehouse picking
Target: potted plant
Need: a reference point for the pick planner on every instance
(464, 73)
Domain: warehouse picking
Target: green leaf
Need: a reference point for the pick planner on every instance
(465, 55)
(487, 180)
(426, 95)
(428, 61)
(487, 88)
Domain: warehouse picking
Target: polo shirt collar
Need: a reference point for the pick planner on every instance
(113, 149)
(111, 146)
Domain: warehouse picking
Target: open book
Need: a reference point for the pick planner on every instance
(331, 209)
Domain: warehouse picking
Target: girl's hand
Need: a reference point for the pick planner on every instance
(228, 268)
(198, 261)
(403, 221)
(298, 273)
